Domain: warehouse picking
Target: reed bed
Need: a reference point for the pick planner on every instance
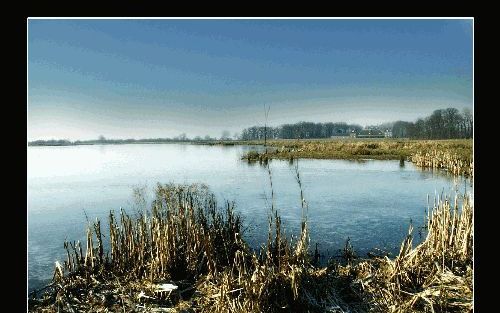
(453, 155)
(281, 277)
(446, 160)
(435, 276)
(254, 156)
(185, 240)
(349, 148)
(186, 254)
(185, 235)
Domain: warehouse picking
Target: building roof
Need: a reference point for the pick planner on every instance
(370, 132)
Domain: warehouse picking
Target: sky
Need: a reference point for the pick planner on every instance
(160, 78)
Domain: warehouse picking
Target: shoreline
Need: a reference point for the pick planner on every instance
(454, 155)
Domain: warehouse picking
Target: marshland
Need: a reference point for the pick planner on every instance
(303, 250)
(254, 165)
(454, 155)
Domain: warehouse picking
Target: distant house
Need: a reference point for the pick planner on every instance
(370, 133)
(388, 133)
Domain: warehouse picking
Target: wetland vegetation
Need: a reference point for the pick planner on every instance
(454, 155)
(378, 112)
(186, 254)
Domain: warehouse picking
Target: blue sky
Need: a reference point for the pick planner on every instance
(160, 78)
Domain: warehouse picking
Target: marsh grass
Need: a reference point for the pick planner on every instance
(183, 236)
(362, 148)
(447, 160)
(187, 240)
(453, 155)
(279, 278)
(435, 276)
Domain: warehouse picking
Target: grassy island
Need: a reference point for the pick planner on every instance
(454, 155)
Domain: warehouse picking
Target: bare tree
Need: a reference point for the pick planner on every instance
(451, 121)
(468, 122)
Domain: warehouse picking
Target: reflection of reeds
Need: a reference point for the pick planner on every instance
(436, 159)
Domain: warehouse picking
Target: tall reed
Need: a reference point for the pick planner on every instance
(447, 160)
(436, 275)
(188, 240)
(183, 236)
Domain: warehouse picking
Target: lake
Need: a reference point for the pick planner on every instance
(371, 202)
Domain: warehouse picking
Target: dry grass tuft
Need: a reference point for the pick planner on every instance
(435, 276)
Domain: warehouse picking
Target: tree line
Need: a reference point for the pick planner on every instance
(103, 140)
(447, 123)
(301, 130)
(441, 124)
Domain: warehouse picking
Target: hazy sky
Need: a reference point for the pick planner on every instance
(159, 78)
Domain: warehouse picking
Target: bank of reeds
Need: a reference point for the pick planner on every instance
(435, 276)
(350, 148)
(185, 235)
(453, 155)
(186, 240)
(446, 160)
(187, 254)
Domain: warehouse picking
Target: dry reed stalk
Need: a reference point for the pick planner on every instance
(447, 160)
(188, 239)
(436, 275)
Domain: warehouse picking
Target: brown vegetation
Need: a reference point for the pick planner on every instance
(454, 155)
(187, 255)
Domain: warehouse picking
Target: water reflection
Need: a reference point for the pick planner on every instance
(441, 173)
